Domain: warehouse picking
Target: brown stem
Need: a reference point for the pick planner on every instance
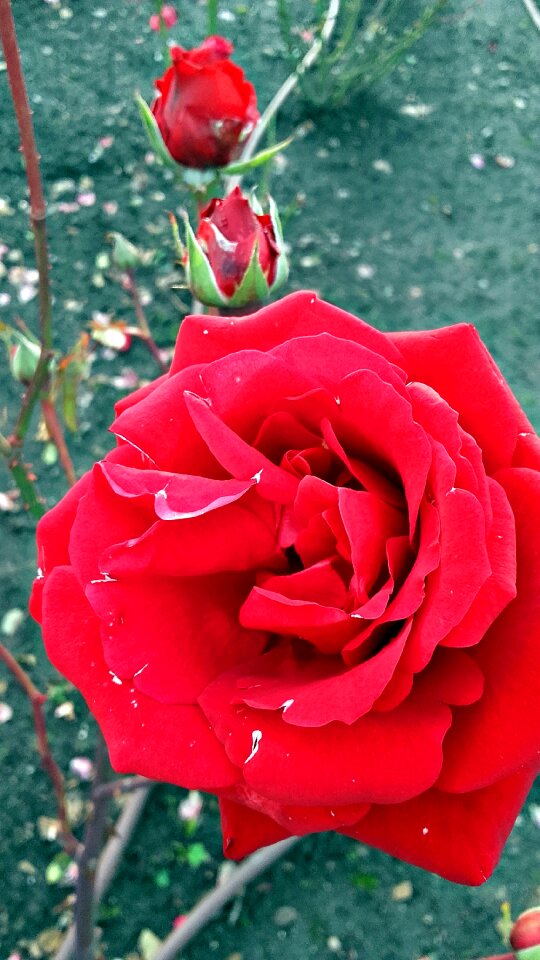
(142, 322)
(214, 901)
(109, 859)
(117, 787)
(37, 699)
(23, 113)
(31, 157)
(57, 436)
(87, 864)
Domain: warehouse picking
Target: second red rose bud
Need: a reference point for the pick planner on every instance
(237, 255)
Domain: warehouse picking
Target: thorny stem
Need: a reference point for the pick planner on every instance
(87, 864)
(142, 322)
(56, 434)
(287, 88)
(213, 902)
(37, 699)
(125, 785)
(12, 450)
(31, 158)
(109, 859)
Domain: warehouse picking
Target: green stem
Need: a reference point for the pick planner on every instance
(287, 88)
(163, 33)
(213, 27)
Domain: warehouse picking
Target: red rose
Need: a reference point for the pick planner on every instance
(293, 583)
(206, 108)
(237, 256)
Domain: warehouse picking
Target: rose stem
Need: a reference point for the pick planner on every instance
(11, 447)
(142, 322)
(125, 785)
(163, 33)
(110, 859)
(533, 12)
(87, 863)
(212, 902)
(213, 17)
(287, 88)
(37, 699)
(56, 434)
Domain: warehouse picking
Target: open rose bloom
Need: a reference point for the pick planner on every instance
(307, 580)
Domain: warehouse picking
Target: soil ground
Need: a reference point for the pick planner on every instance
(398, 225)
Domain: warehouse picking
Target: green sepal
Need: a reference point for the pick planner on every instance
(154, 133)
(242, 166)
(197, 180)
(254, 285)
(529, 953)
(282, 267)
(199, 274)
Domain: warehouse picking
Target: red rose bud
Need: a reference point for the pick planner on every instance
(168, 17)
(525, 935)
(237, 255)
(206, 108)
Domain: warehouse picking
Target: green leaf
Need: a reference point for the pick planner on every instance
(196, 855)
(56, 869)
(242, 166)
(162, 879)
(200, 276)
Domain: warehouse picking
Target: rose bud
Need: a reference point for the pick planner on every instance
(24, 358)
(525, 935)
(205, 109)
(237, 256)
(125, 254)
(167, 16)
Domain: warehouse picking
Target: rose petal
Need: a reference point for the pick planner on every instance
(202, 339)
(237, 456)
(486, 742)
(141, 736)
(459, 836)
(384, 757)
(476, 390)
(245, 830)
(156, 631)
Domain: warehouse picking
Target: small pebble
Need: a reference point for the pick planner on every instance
(285, 916)
(6, 712)
(333, 944)
(504, 161)
(365, 271)
(402, 891)
(11, 621)
(383, 166)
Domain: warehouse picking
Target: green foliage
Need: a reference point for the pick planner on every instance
(365, 881)
(369, 39)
